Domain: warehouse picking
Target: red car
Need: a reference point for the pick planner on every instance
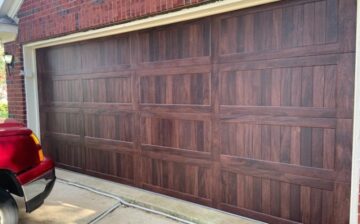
(24, 171)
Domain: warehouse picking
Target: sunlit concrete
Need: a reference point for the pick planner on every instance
(67, 204)
(179, 208)
(70, 204)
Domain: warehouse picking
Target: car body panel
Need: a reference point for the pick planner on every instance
(21, 156)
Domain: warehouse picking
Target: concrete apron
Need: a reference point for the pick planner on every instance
(75, 200)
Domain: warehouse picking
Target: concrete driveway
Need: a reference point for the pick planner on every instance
(80, 199)
(69, 204)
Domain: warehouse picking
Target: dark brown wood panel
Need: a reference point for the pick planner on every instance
(249, 111)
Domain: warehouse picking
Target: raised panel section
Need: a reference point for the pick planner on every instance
(63, 91)
(276, 199)
(63, 151)
(297, 25)
(176, 89)
(107, 90)
(175, 133)
(119, 165)
(305, 146)
(105, 53)
(62, 122)
(178, 177)
(313, 86)
(68, 59)
(113, 126)
(180, 41)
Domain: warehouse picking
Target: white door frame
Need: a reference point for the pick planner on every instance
(355, 172)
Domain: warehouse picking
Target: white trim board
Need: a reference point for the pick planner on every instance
(31, 90)
(355, 170)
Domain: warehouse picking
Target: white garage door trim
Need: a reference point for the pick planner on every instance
(355, 173)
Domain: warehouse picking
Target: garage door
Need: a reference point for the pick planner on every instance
(249, 112)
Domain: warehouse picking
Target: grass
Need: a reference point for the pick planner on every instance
(4, 110)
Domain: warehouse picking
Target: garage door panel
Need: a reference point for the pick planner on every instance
(105, 164)
(63, 122)
(118, 165)
(188, 40)
(62, 91)
(345, 85)
(69, 59)
(176, 89)
(181, 134)
(291, 202)
(65, 150)
(313, 147)
(107, 90)
(178, 177)
(160, 109)
(283, 170)
(300, 24)
(313, 86)
(233, 111)
(343, 153)
(113, 126)
(105, 53)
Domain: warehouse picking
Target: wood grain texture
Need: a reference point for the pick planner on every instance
(248, 111)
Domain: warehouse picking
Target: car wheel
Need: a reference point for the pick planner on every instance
(8, 208)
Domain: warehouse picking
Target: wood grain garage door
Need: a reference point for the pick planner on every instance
(250, 111)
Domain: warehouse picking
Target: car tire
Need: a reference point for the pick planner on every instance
(8, 208)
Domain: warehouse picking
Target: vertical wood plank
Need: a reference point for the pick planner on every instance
(307, 87)
(327, 207)
(266, 196)
(249, 189)
(305, 204)
(285, 133)
(309, 26)
(295, 202)
(275, 198)
(240, 190)
(295, 145)
(317, 151)
(275, 143)
(316, 204)
(320, 22)
(330, 86)
(305, 146)
(285, 200)
(329, 148)
(318, 86)
(257, 194)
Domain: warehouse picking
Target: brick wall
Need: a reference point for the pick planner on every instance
(44, 19)
(15, 84)
(40, 19)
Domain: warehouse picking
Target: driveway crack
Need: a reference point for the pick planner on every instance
(105, 213)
